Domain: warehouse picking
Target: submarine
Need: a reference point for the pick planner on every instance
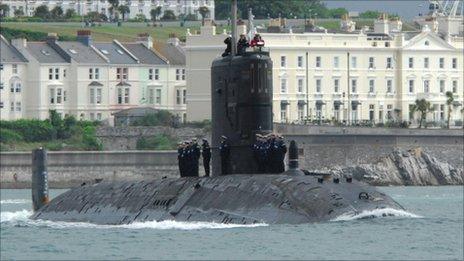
(241, 93)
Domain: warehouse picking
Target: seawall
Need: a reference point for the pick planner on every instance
(320, 148)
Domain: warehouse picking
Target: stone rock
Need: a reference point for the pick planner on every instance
(413, 167)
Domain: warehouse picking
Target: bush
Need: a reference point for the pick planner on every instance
(9, 136)
(90, 140)
(158, 142)
(30, 130)
(160, 118)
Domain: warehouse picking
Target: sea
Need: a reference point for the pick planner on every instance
(431, 228)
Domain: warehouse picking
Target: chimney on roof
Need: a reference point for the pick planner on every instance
(19, 43)
(173, 39)
(85, 37)
(145, 39)
(52, 37)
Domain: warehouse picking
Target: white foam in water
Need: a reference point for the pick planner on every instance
(22, 218)
(15, 201)
(381, 212)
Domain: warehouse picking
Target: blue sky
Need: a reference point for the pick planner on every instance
(407, 9)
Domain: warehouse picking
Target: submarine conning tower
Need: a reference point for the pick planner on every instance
(241, 100)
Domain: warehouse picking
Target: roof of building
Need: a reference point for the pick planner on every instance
(44, 53)
(9, 54)
(135, 112)
(81, 53)
(145, 55)
(175, 54)
(115, 53)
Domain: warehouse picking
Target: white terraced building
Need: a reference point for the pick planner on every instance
(346, 76)
(90, 80)
(83, 7)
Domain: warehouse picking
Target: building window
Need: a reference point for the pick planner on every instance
(336, 85)
(15, 69)
(318, 85)
(56, 95)
(301, 112)
(52, 96)
(411, 86)
(97, 73)
(336, 62)
(178, 74)
(411, 62)
(371, 112)
(151, 96)
(92, 116)
(371, 63)
(122, 74)
(184, 96)
(455, 86)
(50, 73)
(1, 105)
(12, 87)
(354, 62)
(426, 86)
(371, 86)
(300, 85)
(389, 63)
(18, 87)
(389, 111)
(158, 96)
(283, 85)
(18, 106)
(354, 85)
(300, 61)
(426, 62)
(454, 63)
(318, 62)
(57, 73)
(123, 95)
(99, 116)
(59, 95)
(90, 73)
(283, 61)
(442, 62)
(283, 112)
(442, 86)
(11, 106)
(1, 85)
(442, 111)
(183, 74)
(389, 86)
(95, 95)
(178, 97)
(153, 74)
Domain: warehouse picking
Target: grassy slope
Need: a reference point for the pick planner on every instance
(106, 32)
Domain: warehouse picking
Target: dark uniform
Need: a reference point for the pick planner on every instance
(281, 151)
(224, 150)
(195, 157)
(206, 153)
(180, 162)
(228, 50)
(242, 44)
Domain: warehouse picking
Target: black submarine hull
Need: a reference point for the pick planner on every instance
(236, 199)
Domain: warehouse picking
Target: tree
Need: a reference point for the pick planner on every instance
(18, 13)
(154, 13)
(140, 18)
(337, 12)
(204, 12)
(168, 15)
(70, 13)
(56, 12)
(42, 12)
(4, 9)
(114, 5)
(422, 106)
(449, 102)
(124, 9)
(370, 14)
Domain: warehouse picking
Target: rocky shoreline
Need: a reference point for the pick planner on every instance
(409, 168)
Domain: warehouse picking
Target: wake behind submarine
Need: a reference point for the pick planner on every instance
(241, 96)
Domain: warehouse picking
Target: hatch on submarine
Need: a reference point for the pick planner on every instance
(241, 89)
